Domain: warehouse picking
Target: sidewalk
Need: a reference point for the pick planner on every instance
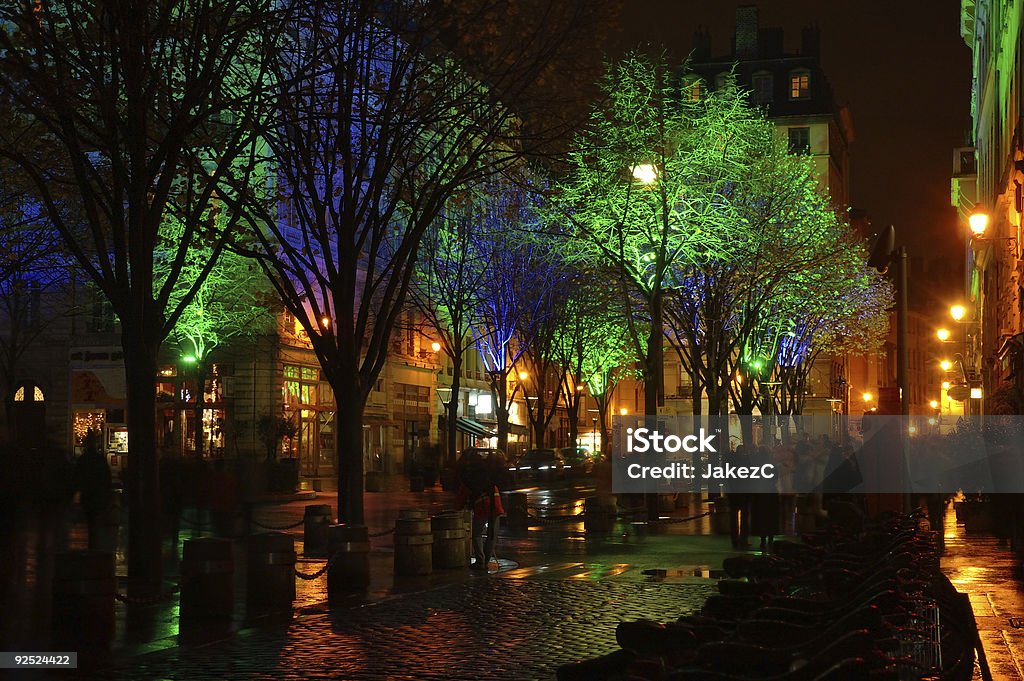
(979, 567)
(557, 597)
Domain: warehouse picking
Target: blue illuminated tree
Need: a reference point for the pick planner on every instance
(514, 297)
(379, 126)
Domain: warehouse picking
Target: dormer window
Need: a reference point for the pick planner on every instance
(761, 87)
(800, 84)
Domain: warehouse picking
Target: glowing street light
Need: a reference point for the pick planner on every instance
(942, 334)
(978, 221)
(867, 397)
(623, 411)
(645, 173)
(523, 375)
(945, 365)
(435, 346)
(934, 404)
(957, 312)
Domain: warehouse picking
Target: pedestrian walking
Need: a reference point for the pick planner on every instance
(94, 485)
(738, 495)
(480, 473)
(765, 504)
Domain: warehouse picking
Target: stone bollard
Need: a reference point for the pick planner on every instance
(598, 514)
(413, 543)
(84, 584)
(314, 530)
(207, 579)
(449, 536)
(349, 549)
(517, 512)
(270, 565)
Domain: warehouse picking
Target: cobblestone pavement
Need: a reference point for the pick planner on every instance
(495, 628)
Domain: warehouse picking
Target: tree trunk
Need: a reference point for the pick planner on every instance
(142, 484)
(349, 445)
(573, 412)
(654, 360)
(500, 390)
(452, 411)
(200, 403)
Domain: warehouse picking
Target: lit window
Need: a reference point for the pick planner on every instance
(37, 394)
(800, 85)
(799, 140)
(19, 395)
(761, 84)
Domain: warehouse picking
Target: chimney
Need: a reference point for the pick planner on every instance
(701, 45)
(810, 41)
(746, 32)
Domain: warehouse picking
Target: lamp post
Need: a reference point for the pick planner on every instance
(883, 254)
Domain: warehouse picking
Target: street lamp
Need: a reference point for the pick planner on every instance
(957, 312)
(945, 365)
(645, 173)
(978, 221)
(883, 254)
(942, 335)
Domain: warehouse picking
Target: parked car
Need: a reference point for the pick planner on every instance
(577, 459)
(541, 465)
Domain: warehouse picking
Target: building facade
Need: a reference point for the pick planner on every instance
(990, 181)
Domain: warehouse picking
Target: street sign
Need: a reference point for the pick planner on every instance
(959, 392)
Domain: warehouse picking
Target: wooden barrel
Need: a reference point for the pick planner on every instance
(413, 514)
(84, 584)
(349, 548)
(270, 564)
(207, 579)
(517, 512)
(314, 530)
(413, 546)
(449, 547)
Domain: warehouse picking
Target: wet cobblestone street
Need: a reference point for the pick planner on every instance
(496, 628)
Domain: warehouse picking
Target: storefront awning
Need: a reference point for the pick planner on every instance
(472, 427)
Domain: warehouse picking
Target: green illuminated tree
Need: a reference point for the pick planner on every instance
(233, 302)
(781, 227)
(649, 190)
(593, 350)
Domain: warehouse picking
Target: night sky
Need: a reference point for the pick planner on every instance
(901, 68)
